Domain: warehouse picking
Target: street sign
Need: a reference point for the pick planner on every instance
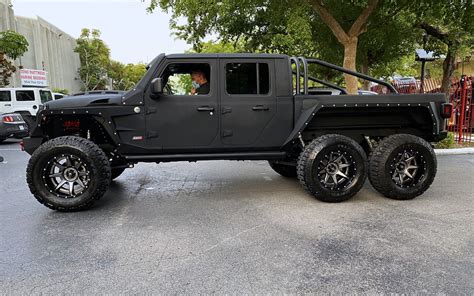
(32, 77)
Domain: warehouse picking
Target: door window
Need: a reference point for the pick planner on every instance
(247, 78)
(5, 96)
(25, 95)
(45, 96)
(187, 79)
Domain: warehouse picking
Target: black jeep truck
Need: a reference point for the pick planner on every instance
(255, 107)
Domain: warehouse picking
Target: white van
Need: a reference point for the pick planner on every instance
(24, 100)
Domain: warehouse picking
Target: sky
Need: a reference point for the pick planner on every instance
(132, 34)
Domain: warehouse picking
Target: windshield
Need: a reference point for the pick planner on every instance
(46, 96)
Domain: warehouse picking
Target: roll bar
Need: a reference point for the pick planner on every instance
(305, 62)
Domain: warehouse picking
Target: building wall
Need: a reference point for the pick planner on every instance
(50, 49)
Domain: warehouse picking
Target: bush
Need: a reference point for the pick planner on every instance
(61, 91)
(446, 143)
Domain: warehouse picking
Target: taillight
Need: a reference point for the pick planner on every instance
(7, 118)
(446, 110)
(22, 145)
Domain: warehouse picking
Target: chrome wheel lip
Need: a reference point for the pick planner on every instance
(407, 168)
(66, 175)
(336, 171)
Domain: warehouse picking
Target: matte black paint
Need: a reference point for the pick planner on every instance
(140, 126)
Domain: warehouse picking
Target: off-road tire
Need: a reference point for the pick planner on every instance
(92, 157)
(116, 172)
(382, 166)
(316, 154)
(285, 170)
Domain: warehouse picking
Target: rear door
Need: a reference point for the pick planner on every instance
(248, 102)
(6, 101)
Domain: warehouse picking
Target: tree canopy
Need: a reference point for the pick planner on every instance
(124, 77)
(13, 46)
(375, 37)
(94, 55)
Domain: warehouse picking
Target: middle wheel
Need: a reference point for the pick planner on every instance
(333, 168)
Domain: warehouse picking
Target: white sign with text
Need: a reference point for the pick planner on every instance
(31, 77)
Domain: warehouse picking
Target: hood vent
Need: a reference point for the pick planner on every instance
(100, 102)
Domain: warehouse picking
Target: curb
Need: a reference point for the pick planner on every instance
(455, 151)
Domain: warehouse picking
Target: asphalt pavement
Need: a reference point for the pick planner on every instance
(236, 228)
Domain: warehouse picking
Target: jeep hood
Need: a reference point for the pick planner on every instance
(84, 101)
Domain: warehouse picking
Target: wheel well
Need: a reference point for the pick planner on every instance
(88, 127)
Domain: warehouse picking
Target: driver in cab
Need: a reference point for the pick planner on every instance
(200, 83)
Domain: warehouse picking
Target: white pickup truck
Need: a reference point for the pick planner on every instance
(24, 101)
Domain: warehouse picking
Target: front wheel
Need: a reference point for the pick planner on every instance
(332, 168)
(68, 173)
(402, 166)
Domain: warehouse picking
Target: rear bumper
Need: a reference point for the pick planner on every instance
(13, 130)
(31, 144)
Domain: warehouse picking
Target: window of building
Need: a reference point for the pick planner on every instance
(184, 79)
(5, 96)
(25, 95)
(247, 78)
(46, 96)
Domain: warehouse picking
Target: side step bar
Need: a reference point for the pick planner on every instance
(262, 155)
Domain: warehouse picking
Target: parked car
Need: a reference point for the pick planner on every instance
(404, 80)
(250, 107)
(25, 101)
(12, 126)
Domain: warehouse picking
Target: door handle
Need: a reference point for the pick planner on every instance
(8, 105)
(205, 108)
(260, 108)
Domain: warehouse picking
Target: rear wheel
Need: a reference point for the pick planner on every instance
(285, 170)
(402, 166)
(332, 168)
(68, 173)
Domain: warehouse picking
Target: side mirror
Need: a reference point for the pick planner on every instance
(157, 86)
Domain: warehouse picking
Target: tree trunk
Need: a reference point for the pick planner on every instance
(448, 69)
(350, 53)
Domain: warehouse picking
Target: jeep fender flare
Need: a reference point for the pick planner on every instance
(305, 117)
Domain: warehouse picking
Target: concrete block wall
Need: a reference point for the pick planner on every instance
(50, 49)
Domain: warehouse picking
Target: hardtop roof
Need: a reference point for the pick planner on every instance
(226, 56)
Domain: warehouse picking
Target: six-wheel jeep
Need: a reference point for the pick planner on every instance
(238, 107)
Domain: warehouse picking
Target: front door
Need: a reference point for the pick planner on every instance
(248, 103)
(184, 118)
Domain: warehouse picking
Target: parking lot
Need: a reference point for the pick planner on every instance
(236, 227)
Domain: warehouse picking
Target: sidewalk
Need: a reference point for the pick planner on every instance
(455, 151)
